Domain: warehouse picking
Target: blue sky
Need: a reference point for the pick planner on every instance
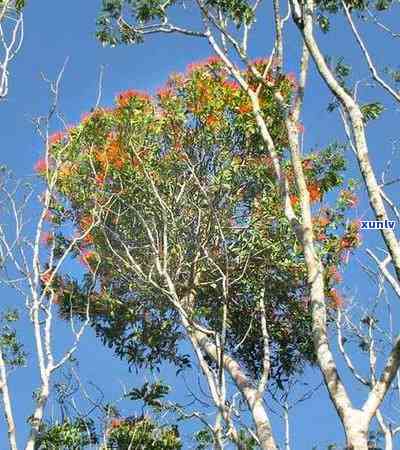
(55, 31)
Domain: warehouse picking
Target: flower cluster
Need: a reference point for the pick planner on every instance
(200, 65)
(41, 166)
(123, 98)
(57, 137)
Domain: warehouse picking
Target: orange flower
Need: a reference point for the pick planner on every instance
(86, 222)
(48, 216)
(101, 157)
(321, 221)
(135, 162)
(88, 239)
(66, 170)
(115, 423)
(336, 299)
(244, 109)
(294, 199)
(211, 120)
(210, 61)
(315, 192)
(125, 97)
(308, 164)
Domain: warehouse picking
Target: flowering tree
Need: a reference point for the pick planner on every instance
(227, 26)
(189, 241)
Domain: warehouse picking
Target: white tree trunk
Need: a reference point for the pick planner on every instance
(7, 404)
(253, 397)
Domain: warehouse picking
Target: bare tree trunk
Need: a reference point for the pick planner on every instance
(287, 426)
(7, 404)
(37, 417)
(356, 439)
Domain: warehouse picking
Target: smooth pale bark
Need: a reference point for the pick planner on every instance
(355, 421)
(4, 392)
(38, 416)
(253, 397)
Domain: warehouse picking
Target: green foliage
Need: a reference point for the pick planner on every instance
(143, 12)
(324, 23)
(372, 111)
(75, 435)
(12, 349)
(142, 433)
(204, 439)
(150, 394)
(20, 4)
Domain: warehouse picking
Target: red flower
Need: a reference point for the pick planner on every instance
(41, 166)
(267, 161)
(56, 138)
(164, 92)
(124, 98)
(259, 61)
(291, 77)
(100, 179)
(46, 238)
(300, 128)
(308, 164)
(210, 61)
(86, 257)
(230, 84)
(322, 237)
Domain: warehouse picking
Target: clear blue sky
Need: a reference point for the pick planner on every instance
(57, 30)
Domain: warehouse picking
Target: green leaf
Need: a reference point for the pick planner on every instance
(324, 23)
(371, 111)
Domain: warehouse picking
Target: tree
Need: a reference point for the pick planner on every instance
(129, 21)
(11, 38)
(189, 241)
